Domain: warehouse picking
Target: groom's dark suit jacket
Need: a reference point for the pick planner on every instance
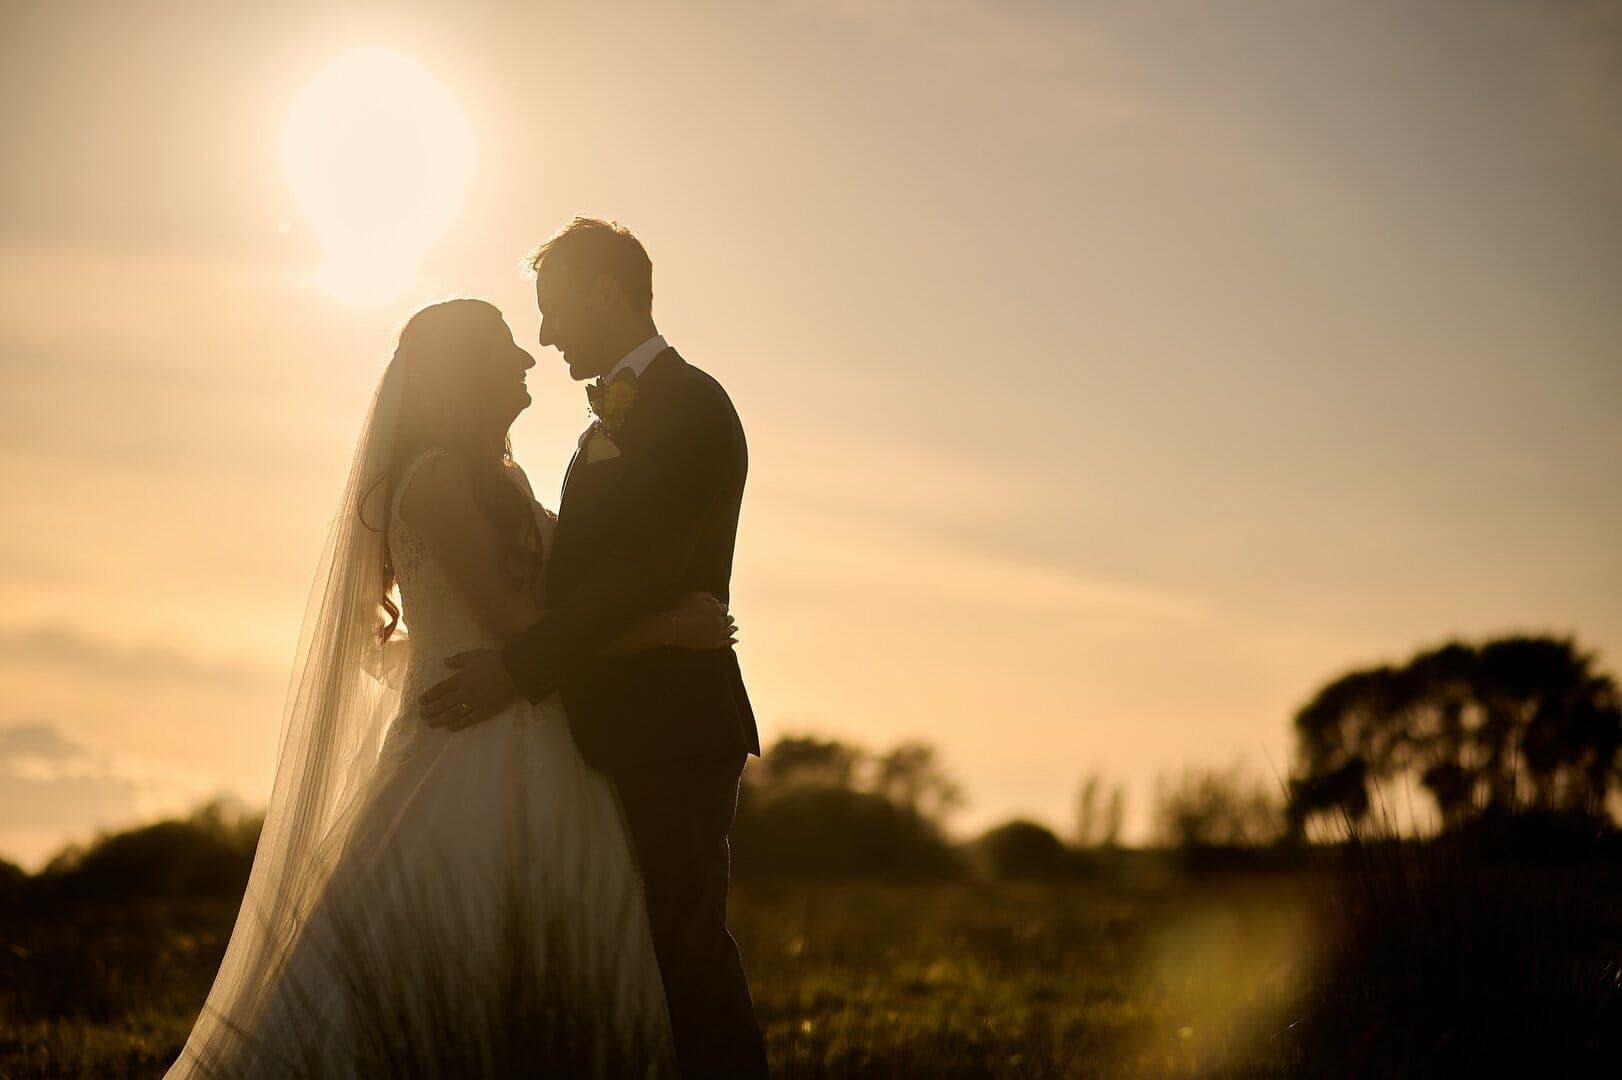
(635, 533)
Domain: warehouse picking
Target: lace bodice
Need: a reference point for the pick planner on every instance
(438, 620)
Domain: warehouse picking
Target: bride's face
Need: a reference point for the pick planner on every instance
(483, 384)
(496, 376)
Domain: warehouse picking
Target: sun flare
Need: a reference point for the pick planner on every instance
(379, 156)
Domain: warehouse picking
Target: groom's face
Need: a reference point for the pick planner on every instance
(572, 323)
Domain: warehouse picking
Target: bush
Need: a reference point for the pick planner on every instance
(819, 808)
(205, 856)
(834, 832)
(1022, 850)
(13, 880)
(1208, 808)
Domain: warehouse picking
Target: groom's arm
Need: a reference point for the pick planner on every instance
(668, 497)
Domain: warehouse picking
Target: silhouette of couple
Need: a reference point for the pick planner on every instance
(497, 840)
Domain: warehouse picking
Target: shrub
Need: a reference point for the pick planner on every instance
(1207, 808)
(207, 855)
(1022, 850)
(834, 832)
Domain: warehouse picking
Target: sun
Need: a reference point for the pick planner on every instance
(379, 156)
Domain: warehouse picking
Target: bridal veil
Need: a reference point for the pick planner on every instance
(343, 691)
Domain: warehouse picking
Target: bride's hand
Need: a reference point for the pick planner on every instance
(702, 622)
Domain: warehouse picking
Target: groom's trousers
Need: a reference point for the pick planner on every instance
(679, 814)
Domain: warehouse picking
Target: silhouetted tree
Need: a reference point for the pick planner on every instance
(1099, 816)
(1344, 734)
(1552, 721)
(1518, 722)
(1439, 745)
(802, 759)
(911, 778)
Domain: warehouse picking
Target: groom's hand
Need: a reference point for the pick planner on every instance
(480, 689)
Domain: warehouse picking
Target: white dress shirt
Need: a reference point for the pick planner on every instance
(637, 359)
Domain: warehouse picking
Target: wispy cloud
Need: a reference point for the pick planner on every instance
(36, 742)
(71, 650)
(888, 565)
(53, 786)
(945, 525)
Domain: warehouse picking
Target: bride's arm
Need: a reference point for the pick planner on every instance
(468, 550)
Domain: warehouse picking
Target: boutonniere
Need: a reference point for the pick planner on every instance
(613, 403)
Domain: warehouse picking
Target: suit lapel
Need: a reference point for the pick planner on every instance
(579, 448)
(570, 521)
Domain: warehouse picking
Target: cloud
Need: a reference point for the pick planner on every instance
(909, 525)
(66, 648)
(55, 788)
(1014, 585)
(36, 741)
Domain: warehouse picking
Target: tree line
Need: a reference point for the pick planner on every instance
(1510, 727)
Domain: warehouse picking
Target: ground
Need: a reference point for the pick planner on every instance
(1160, 977)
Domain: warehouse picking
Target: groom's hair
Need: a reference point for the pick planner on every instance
(590, 246)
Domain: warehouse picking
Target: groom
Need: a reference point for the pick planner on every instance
(649, 513)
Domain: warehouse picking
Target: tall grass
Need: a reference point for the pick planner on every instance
(1491, 950)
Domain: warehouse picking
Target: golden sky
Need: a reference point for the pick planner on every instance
(1114, 374)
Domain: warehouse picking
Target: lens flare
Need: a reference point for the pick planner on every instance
(379, 156)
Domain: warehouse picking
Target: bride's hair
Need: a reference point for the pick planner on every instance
(434, 348)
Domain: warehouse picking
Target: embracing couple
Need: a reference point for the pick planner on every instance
(497, 839)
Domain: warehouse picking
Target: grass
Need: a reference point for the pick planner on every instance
(1406, 961)
(1031, 980)
(105, 989)
(1067, 979)
(1492, 951)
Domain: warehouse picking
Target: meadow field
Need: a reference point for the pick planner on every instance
(1058, 979)
(1158, 978)
(1152, 973)
(1387, 959)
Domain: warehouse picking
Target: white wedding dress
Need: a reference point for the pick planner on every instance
(478, 910)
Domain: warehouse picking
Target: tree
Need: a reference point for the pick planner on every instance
(1552, 722)
(1099, 816)
(806, 760)
(911, 778)
(1515, 723)
(1343, 735)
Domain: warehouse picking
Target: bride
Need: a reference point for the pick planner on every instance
(424, 901)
